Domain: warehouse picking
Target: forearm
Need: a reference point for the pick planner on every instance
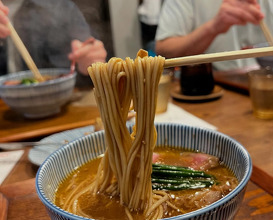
(194, 43)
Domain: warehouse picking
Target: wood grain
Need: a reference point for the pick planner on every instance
(263, 179)
(23, 201)
(3, 207)
(237, 81)
(14, 127)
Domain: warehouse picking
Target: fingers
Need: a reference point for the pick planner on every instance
(4, 31)
(75, 45)
(92, 51)
(86, 53)
(237, 12)
(4, 8)
(246, 12)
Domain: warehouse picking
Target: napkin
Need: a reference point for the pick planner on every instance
(175, 114)
(7, 162)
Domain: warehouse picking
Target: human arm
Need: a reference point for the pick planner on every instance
(231, 12)
(4, 31)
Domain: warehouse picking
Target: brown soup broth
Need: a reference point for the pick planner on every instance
(103, 207)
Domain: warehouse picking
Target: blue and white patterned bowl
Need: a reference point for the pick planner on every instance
(41, 99)
(59, 164)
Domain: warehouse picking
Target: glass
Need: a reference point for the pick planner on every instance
(163, 92)
(261, 92)
(196, 80)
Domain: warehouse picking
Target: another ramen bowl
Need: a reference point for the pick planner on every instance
(63, 161)
(38, 100)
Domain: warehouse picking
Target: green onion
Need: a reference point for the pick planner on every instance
(167, 177)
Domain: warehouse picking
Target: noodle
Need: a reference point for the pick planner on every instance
(126, 167)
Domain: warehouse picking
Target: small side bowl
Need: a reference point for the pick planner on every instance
(38, 100)
(63, 161)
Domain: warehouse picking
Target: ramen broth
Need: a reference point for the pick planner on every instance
(29, 81)
(101, 206)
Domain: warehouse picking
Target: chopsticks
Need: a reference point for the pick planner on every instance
(24, 53)
(266, 32)
(221, 56)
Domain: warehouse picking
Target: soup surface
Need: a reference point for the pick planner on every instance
(29, 81)
(102, 206)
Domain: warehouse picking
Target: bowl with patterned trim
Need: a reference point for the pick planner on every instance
(38, 100)
(78, 152)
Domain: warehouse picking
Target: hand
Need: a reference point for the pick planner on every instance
(4, 31)
(86, 53)
(237, 12)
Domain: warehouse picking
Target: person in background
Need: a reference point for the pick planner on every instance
(53, 32)
(148, 12)
(190, 27)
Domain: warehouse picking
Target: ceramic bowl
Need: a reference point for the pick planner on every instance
(59, 164)
(38, 100)
(264, 61)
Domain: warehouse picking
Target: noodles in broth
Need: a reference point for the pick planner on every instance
(126, 167)
(130, 179)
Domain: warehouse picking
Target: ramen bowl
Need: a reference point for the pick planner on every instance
(76, 153)
(38, 100)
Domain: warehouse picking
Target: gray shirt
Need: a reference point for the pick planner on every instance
(47, 29)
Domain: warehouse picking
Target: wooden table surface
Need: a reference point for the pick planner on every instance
(231, 114)
(81, 111)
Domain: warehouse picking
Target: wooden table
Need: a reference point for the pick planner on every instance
(231, 114)
(80, 111)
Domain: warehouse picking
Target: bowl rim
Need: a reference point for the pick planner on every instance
(67, 75)
(262, 73)
(242, 184)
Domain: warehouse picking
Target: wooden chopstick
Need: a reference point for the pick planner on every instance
(266, 32)
(24, 53)
(221, 56)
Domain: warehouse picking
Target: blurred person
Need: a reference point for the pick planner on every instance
(190, 27)
(53, 32)
(148, 12)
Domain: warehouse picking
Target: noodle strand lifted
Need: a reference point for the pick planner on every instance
(126, 167)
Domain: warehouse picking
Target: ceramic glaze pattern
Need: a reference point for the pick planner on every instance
(63, 161)
(38, 100)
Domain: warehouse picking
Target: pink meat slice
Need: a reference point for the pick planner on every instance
(197, 161)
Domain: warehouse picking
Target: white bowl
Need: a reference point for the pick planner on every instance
(41, 99)
(76, 153)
